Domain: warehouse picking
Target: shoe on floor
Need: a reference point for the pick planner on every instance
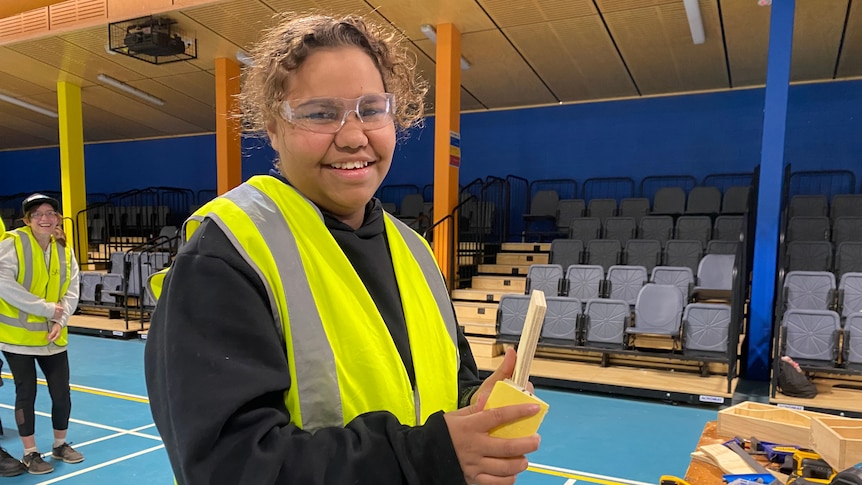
(9, 466)
(35, 464)
(66, 453)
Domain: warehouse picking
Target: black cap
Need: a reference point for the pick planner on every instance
(36, 200)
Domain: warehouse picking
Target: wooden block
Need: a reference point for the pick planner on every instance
(727, 460)
(837, 440)
(767, 422)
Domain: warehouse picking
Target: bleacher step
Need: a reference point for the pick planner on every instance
(479, 312)
(522, 258)
(472, 294)
(478, 328)
(504, 269)
(507, 284)
(525, 246)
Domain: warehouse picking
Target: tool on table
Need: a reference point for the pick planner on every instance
(850, 476)
(761, 478)
(671, 480)
(754, 464)
(514, 391)
(810, 469)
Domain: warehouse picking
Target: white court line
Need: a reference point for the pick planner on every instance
(540, 467)
(97, 425)
(102, 465)
(570, 481)
(8, 375)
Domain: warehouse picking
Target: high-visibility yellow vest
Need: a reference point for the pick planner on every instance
(343, 361)
(48, 282)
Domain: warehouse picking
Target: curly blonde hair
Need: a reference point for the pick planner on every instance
(283, 49)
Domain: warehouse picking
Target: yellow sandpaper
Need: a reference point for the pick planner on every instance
(508, 392)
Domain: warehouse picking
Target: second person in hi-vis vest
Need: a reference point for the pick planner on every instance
(303, 335)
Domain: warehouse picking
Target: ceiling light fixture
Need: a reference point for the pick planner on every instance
(695, 21)
(31, 107)
(130, 89)
(429, 32)
(244, 59)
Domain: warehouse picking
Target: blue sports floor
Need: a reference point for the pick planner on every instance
(585, 438)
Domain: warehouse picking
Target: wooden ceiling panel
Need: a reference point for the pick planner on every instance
(817, 32)
(11, 139)
(510, 14)
(15, 86)
(334, 7)
(427, 70)
(238, 21)
(746, 34)
(408, 16)
(850, 64)
(575, 57)
(656, 45)
(619, 5)
(105, 125)
(199, 85)
(134, 109)
(25, 121)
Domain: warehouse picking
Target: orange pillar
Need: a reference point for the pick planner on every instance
(228, 129)
(447, 135)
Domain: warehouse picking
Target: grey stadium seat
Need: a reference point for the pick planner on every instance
(848, 258)
(511, 315)
(561, 320)
(809, 290)
(846, 205)
(669, 200)
(566, 252)
(808, 205)
(643, 252)
(714, 277)
(727, 228)
(811, 337)
(658, 311)
(850, 294)
(585, 229)
(603, 252)
(679, 276)
(602, 208)
(721, 247)
(853, 341)
(847, 228)
(90, 280)
(735, 200)
(545, 278)
(635, 207)
(568, 209)
(620, 228)
(626, 282)
(703, 200)
(705, 328)
(659, 228)
(683, 253)
(111, 283)
(804, 228)
(544, 204)
(694, 228)
(605, 323)
(584, 281)
(809, 256)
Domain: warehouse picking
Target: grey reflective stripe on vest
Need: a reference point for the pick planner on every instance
(317, 380)
(433, 277)
(61, 260)
(27, 249)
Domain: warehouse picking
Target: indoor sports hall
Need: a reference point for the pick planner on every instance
(681, 180)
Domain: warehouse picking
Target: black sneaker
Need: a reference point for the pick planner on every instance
(66, 453)
(10, 467)
(35, 464)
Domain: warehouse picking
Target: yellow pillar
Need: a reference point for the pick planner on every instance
(228, 129)
(72, 175)
(447, 133)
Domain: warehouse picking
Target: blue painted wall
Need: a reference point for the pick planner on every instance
(691, 134)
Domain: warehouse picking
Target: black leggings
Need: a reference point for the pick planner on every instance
(56, 370)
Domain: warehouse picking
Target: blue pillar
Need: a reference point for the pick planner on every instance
(770, 188)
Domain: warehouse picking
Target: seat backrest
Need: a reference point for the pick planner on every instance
(809, 290)
(626, 282)
(715, 272)
(851, 289)
(561, 318)
(602, 208)
(411, 205)
(606, 321)
(89, 281)
(512, 313)
(735, 199)
(683, 253)
(721, 247)
(585, 229)
(111, 282)
(603, 252)
(566, 252)
(544, 203)
(848, 258)
(659, 228)
(808, 205)
(853, 342)
(568, 209)
(544, 277)
(806, 228)
(635, 207)
(705, 327)
(703, 200)
(620, 228)
(809, 256)
(846, 205)
(694, 228)
(727, 228)
(669, 200)
(658, 309)
(643, 252)
(584, 281)
(847, 228)
(810, 334)
(679, 276)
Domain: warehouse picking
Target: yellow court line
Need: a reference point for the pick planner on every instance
(91, 390)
